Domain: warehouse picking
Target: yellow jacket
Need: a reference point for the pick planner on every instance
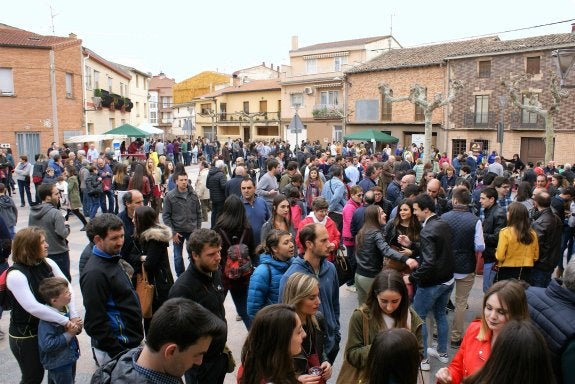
(511, 253)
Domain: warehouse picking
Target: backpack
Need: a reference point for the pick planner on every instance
(5, 294)
(238, 261)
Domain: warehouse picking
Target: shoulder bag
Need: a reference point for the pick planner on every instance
(348, 373)
(146, 292)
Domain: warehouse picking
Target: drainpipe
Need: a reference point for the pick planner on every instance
(54, 97)
(447, 107)
(84, 92)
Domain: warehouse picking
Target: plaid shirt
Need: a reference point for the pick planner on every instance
(504, 203)
(154, 376)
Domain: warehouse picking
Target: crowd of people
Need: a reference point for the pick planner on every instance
(414, 236)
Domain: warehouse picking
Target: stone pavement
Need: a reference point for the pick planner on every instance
(10, 373)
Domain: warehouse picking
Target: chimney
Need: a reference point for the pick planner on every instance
(73, 35)
(573, 29)
(272, 66)
(263, 63)
(294, 43)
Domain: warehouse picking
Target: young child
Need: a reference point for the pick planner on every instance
(62, 186)
(59, 347)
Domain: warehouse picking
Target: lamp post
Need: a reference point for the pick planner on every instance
(501, 125)
(565, 60)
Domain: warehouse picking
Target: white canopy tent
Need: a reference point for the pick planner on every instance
(150, 129)
(93, 138)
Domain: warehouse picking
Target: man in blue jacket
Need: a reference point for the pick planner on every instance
(315, 241)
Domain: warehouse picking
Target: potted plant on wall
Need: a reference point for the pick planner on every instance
(128, 105)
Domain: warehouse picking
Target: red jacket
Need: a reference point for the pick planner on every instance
(472, 354)
(331, 230)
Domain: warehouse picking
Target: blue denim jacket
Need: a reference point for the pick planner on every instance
(55, 350)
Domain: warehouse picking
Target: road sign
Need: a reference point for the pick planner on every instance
(295, 125)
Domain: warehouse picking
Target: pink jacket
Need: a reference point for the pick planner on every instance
(348, 211)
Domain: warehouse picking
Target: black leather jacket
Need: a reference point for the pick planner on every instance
(437, 262)
(370, 253)
(549, 229)
(495, 219)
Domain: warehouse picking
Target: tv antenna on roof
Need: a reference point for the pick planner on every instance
(52, 16)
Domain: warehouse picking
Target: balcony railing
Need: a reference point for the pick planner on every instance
(327, 111)
(517, 121)
(480, 120)
(167, 121)
(261, 117)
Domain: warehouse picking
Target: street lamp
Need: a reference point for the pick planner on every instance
(501, 125)
(565, 60)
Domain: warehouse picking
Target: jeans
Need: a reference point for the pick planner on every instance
(62, 375)
(63, 261)
(110, 195)
(434, 299)
(462, 289)
(86, 202)
(27, 354)
(24, 187)
(94, 205)
(178, 253)
(488, 276)
(352, 263)
(540, 278)
(240, 298)
(216, 212)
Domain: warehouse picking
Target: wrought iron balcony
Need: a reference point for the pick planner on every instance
(480, 120)
(526, 121)
(327, 111)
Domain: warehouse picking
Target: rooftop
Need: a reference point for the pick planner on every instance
(436, 54)
(340, 44)
(15, 37)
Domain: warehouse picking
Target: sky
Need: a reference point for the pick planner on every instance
(185, 37)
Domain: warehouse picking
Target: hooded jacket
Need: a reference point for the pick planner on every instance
(8, 211)
(47, 217)
(265, 283)
(329, 296)
(154, 244)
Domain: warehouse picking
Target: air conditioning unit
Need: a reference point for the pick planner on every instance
(97, 101)
(308, 90)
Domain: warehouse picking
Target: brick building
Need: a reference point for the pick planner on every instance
(477, 111)
(473, 116)
(40, 89)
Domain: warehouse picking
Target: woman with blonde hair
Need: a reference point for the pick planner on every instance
(504, 301)
(518, 247)
(302, 291)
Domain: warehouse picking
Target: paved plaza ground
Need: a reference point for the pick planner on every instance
(10, 373)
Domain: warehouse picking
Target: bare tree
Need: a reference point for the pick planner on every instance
(533, 105)
(418, 97)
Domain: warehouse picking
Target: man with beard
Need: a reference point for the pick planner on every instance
(315, 241)
(202, 283)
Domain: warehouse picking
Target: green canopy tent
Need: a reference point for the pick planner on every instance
(372, 135)
(128, 130)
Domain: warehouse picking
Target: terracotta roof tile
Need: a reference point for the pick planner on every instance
(421, 56)
(161, 81)
(339, 44)
(113, 66)
(437, 53)
(15, 37)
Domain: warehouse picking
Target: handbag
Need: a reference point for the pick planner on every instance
(349, 374)
(344, 272)
(146, 292)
